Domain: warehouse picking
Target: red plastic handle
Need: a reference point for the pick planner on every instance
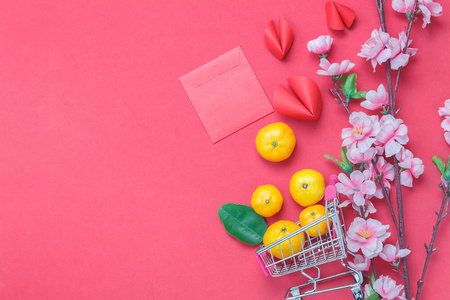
(261, 264)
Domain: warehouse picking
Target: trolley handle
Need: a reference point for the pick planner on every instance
(331, 193)
(261, 264)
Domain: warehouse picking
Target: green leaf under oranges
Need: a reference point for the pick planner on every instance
(242, 222)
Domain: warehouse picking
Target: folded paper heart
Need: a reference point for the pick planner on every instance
(305, 105)
(279, 46)
(339, 16)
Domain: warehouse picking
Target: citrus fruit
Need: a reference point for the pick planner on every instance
(279, 230)
(311, 214)
(267, 200)
(275, 142)
(307, 187)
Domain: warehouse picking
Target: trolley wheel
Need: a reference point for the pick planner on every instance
(358, 294)
(295, 292)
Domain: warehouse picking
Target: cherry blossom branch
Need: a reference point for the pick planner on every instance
(412, 19)
(335, 92)
(401, 226)
(430, 248)
(398, 270)
(386, 194)
(382, 17)
(372, 261)
(401, 221)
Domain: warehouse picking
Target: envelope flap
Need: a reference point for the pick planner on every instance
(213, 68)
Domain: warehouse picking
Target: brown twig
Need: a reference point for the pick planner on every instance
(386, 194)
(408, 34)
(430, 248)
(372, 261)
(399, 271)
(401, 221)
(401, 227)
(335, 92)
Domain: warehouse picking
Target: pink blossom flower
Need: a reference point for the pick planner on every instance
(445, 111)
(375, 48)
(429, 9)
(392, 135)
(363, 133)
(369, 208)
(446, 124)
(387, 174)
(404, 158)
(387, 288)
(334, 69)
(399, 297)
(392, 253)
(398, 58)
(367, 235)
(356, 156)
(376, 99)
(321, 45)
(403, 6)
(366, 291)
(411, 167)
(357, 186)
(447, 137)
(360, 263)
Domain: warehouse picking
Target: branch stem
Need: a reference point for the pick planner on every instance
(372, 262)
(393, 112)
(430, 246)
(386, 195)
(401, 227)
(338, 94)
(408, 34)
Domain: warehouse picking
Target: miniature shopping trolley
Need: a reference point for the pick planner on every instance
(316, 251)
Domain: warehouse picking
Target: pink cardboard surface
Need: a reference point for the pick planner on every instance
(226, 94)
(109, 183)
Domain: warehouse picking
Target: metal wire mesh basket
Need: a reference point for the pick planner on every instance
(327, 247)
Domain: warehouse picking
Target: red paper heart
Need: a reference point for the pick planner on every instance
(306, 107)
(339, 16)
(279, 46)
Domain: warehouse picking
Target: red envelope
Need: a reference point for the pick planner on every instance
(226, 94)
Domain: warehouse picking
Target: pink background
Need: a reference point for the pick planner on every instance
(110, 185)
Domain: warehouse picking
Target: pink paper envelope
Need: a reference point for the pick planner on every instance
(226, 94)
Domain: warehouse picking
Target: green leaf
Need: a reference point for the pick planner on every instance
(355, 95)
(343, 80)
(363, 94)
(439, 164)
(344, 154)
(332, 158)
(447, 174)
(350, 84)
(242, 222)
(346, 167)
(373, 296)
